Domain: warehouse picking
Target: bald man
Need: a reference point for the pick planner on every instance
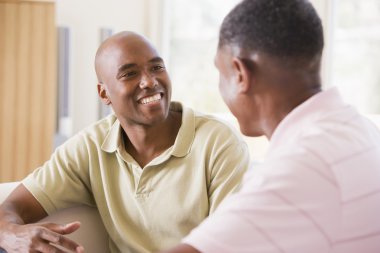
(154, 169)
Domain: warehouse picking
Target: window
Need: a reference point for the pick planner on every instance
(193, 32)
(193, 37)
(356, 53)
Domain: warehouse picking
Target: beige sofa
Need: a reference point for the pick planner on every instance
(92, 234)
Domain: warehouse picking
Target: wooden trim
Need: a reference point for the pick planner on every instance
(27, 1)
(27, 86)
(8, 145)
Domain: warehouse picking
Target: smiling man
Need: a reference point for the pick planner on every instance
(154, 169)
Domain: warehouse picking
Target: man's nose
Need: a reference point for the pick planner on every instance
(147, 81)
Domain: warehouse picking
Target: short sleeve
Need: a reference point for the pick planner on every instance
(63, 180)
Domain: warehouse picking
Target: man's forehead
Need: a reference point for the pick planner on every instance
(123, 48)
(129, 50)
(129, 45)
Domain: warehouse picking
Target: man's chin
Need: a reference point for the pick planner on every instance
(155, 120)
(250, 131)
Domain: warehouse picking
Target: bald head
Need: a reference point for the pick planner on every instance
(113, 48)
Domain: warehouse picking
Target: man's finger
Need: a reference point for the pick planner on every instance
(71, 227)
(62, 229)
(80, 249)
(60, 239)
(46, 247)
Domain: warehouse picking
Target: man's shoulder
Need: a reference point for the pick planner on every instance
(95, 133)
(208, 128)
(214, 122)
(215, 127)
(101, 127)
(328, 140)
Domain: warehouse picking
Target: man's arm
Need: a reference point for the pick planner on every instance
(182, 248)
(16, 235)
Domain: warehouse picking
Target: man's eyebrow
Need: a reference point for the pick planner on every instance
(131, 65)
(126, 66)
(156, 59)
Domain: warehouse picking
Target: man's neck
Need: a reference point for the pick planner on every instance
(283, 105)
(146, 143)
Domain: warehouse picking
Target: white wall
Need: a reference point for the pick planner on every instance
(84, 18)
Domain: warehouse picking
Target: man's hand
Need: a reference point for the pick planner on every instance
(181, 248)
(20, 234)
(42, 237)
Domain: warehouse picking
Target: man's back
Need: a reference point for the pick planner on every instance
(351, 148)
(318, 191)
(339, 153)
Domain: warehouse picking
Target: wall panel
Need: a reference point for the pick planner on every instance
(27, 86)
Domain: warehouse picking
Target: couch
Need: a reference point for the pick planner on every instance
(92, 234)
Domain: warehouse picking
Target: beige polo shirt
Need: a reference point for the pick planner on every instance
(151, 208)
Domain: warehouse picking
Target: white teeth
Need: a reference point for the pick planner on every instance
(151, 99)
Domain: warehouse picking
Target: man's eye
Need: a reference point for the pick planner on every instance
(129, 74)
(158, 68)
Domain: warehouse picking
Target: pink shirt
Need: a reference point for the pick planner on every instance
(318, 190)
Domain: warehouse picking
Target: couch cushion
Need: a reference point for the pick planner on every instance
(5, 189)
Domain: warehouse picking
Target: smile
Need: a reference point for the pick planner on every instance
(151, 99)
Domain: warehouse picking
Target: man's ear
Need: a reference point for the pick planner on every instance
(243, 74)
(102, 92)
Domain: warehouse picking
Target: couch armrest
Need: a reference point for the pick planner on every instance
(92, 234)
(6, 189)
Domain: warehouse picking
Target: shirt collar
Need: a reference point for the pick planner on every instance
(186, 133)
(113, 139)
(313, 108)
(183, 141)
